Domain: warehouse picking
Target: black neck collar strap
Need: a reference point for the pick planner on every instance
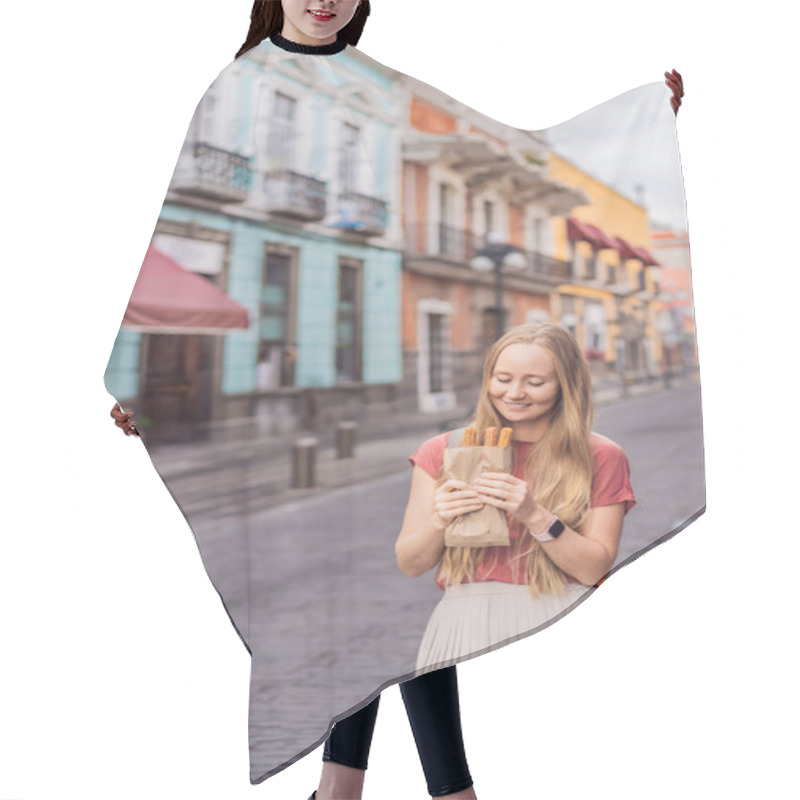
(311, 49)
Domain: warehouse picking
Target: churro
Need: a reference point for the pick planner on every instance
(470, 436)
(505, 437)
(491, 437)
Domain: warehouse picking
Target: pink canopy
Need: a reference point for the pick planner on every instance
(167, 298)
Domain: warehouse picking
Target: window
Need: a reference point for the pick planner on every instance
(490, 332)
(488, 217)
(591, 266)
(611, 272)
(594, 326)
(207, 118)
(537, 236)
(348, 152)
(276, 352)
(445, 203)
(280, 141)
(450, 238)
(569, 319)
(435, 361)
(578, 262)
(438, 351)
(348, 322)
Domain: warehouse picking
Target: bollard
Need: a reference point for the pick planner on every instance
(346, 439)
(305, 461)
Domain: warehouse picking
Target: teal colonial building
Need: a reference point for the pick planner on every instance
(285, 197)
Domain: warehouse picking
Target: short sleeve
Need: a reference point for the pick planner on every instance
(430, 455)
(611, 482)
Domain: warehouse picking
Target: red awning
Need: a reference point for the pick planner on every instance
(167, 298)
(577, 230)
(604, 241)
(624, 249)
(647, 259)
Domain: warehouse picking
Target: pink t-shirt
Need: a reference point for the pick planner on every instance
(610, 484)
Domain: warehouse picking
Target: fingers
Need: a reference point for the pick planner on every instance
(455, 503)
(124, 420)
(674, 81)
(492, 500)
(458, 495)
(449, 514)
(674, 77)
(454, 483)
(455, 499)
(484, 481)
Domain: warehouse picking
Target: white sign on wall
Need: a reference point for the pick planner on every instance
(192, 254)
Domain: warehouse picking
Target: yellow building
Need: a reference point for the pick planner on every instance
(607, 301)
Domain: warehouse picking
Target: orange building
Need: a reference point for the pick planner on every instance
(472, 187)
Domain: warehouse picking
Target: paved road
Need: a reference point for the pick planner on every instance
(662, 435)
(308, 610)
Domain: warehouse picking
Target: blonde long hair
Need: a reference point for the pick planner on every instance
(558, 468)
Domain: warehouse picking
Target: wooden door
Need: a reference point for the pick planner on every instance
(177, 391)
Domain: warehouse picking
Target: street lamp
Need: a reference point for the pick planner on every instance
(493, 257)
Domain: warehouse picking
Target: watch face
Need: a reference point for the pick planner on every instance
(556, 529)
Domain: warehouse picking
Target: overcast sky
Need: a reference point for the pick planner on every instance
(626, 142)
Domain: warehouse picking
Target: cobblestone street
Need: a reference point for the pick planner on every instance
(271, 586)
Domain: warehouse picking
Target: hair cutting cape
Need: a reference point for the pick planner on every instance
(316, 301)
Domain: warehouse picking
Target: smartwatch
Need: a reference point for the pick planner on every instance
(554, 530)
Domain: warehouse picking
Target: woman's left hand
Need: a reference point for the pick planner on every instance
(504, 491)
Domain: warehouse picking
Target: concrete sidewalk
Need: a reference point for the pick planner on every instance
(217, 479)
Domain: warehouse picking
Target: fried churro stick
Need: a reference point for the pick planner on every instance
(470, 436)
(505, 437)
(491, 437)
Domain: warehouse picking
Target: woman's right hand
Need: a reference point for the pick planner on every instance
(124, 420)
(674, 81)
(452, 499)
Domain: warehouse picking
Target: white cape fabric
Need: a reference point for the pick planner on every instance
(338, 209)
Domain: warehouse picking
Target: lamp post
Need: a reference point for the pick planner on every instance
(493, 257)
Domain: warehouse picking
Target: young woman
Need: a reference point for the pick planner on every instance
(543, 416)
(564, 498)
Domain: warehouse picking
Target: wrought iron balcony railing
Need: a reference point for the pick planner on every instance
(548, 266)
(362, 213)
(294, 194)
(209, 171)
(454, 242)
(441, 241)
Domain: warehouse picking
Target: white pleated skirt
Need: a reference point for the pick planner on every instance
(473, 618)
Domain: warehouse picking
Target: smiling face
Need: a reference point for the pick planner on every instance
(315, 21)
(524, 389)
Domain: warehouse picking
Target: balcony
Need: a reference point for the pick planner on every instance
(293, 194)
(547, 266)
(453, 242)
(362, 214)
(443, 242)
(214, 173)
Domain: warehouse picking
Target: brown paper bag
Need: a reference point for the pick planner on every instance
(489, 525)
